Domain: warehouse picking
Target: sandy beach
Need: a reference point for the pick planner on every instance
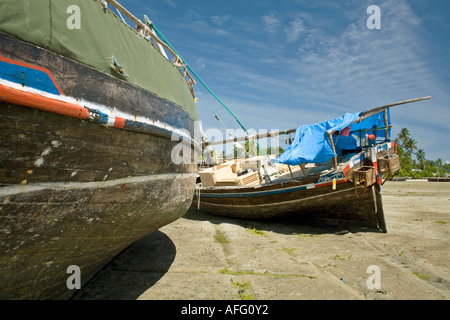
(204, 257)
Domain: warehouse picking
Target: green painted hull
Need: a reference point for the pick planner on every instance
(101, 36)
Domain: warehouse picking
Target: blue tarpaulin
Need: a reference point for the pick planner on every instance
(311, 143)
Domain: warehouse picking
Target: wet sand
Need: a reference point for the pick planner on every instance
(203, 257)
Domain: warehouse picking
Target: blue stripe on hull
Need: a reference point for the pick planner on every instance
(28, 77)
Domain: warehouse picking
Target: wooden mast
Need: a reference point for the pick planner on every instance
(252, 137)
(364, 115)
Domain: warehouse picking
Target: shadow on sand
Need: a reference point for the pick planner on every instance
(286, 225)
(133, 271)
(141, 265)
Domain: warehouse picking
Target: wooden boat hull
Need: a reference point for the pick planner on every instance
(317, 205)
(312, 201)
(77, 184)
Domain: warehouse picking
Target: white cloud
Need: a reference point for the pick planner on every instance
(359, 69)
(200, 63)
(203, 27)
(220, 20)
(295, 29)
(366, 65)
(271, 23)
(326, 68)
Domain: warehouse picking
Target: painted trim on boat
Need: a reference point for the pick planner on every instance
(9, 190)
(35, 87)
(14, 71)
(256, 193)
(86, 110)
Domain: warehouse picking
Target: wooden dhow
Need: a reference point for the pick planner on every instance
(88, 109)
(345, 189)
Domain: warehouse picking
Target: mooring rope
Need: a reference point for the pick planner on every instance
(206, 86)
(422, 157)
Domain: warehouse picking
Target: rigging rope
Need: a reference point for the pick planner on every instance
(197, 76)
(203, 83)
(422, 157)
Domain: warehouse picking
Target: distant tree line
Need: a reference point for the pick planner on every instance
(415, 166)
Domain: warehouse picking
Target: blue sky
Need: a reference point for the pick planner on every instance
(281, 64)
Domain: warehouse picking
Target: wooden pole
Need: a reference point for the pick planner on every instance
(252, 137)
(386, 124)
(290, 170)
(305, 172)
(330, 137)
(364, 115)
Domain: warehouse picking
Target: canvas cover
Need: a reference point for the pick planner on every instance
(101, 36)
(312, 145)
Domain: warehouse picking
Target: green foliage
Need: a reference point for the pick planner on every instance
(415, 166)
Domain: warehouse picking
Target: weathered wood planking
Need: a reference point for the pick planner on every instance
(74, 192)
(310, 199)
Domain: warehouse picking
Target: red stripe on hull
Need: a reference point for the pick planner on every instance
(33, 100)
(119, 123)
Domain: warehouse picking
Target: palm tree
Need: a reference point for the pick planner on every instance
(421, 158)
(411, 144)
(404, 136)
(404, 140)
